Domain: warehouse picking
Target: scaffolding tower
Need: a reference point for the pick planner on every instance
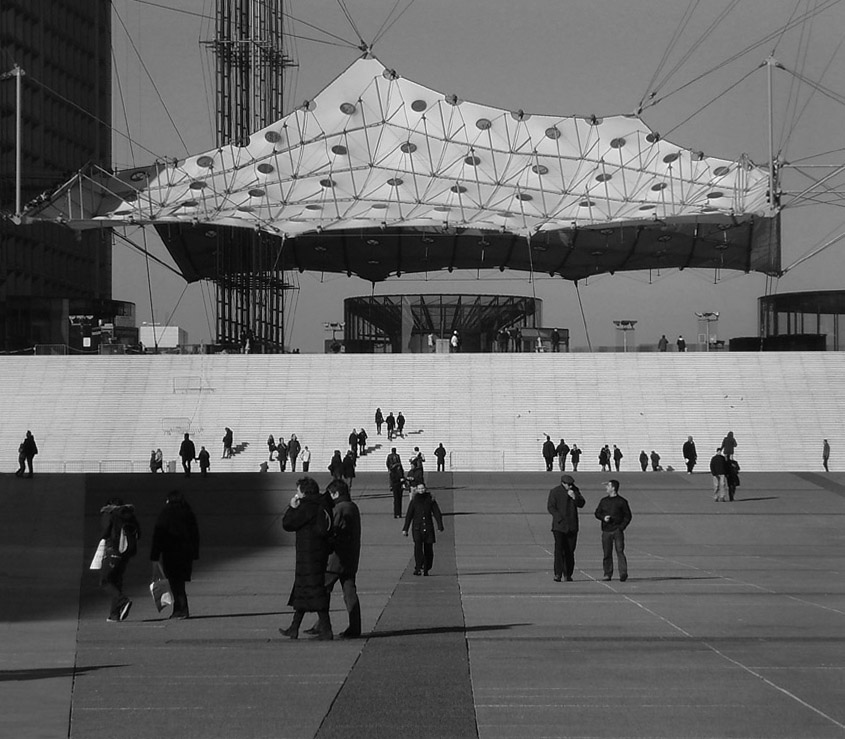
(249, 63)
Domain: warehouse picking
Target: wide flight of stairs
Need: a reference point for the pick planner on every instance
(491, 411)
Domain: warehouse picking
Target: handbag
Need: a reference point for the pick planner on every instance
(160, 590)
(97, 561)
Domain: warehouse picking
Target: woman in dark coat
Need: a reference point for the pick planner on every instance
(336, 465)
(348, 469)
(420, 518)
(176, 544)
(309, 515)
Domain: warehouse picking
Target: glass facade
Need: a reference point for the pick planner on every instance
(810, 313)
(64, 50)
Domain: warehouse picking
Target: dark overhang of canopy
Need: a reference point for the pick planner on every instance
(744, 244)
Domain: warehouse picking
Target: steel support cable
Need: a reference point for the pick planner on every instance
(143, 250)
(796, 162)
(815, 252)
(798, 116)
(688, 13)
(583, 317)
(751, 47)
(711, 101)
(150, 292)
(816, 184)
(794, 86)
(694, 47)
(207, 17)
(818, 87)
(381, 32)
(152, 82)
(123, 108)
(176, 307)
(88, 113)
(351, 20)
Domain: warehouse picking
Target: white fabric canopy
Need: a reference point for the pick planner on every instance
(376, 150)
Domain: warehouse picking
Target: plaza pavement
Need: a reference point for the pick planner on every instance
(731, 624)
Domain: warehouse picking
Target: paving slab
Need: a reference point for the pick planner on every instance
(731, 624)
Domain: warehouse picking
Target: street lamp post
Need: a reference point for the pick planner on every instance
(705, 319)
(623, 327)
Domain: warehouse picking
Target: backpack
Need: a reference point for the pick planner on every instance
(129, 533)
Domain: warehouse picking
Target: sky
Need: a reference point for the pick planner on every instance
(569, 57)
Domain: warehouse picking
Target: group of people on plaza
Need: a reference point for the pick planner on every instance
(614, 513)
(663, 344)
(395, 424)
(288, 451)
(730, 473)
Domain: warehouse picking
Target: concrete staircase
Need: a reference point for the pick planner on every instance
(491, 411)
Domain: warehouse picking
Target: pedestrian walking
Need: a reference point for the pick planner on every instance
(120, 531)
(346, 553)
(293, 451)
(204, 459)
(423, 513)
(615, 514)
(548, 451)
(718, 469)
(575, 457)
(563, 504)
(690, 454)
(175, 547)
(187, 453)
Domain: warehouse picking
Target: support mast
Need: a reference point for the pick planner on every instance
(249, 62)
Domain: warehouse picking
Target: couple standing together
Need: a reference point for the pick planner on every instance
(614, 513)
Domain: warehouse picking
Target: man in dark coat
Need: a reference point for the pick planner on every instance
(422, 514)
(617, 457)
(643, 460)
(293, 451)
(310, 517)
(379, 418)
(391, 424)
(549, 453)
(188, 453)
(343, 561)
(176, 544)
(121, 531)
(440, 454)
(400, 425)
(562, 451)
(564, 502)
(397, 486)
(615, 514)
(353, 441)
(690, 454)
(282, 453)
(362, 442)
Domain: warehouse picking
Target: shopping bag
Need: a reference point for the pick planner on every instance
(97, 561)
(160, 590)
